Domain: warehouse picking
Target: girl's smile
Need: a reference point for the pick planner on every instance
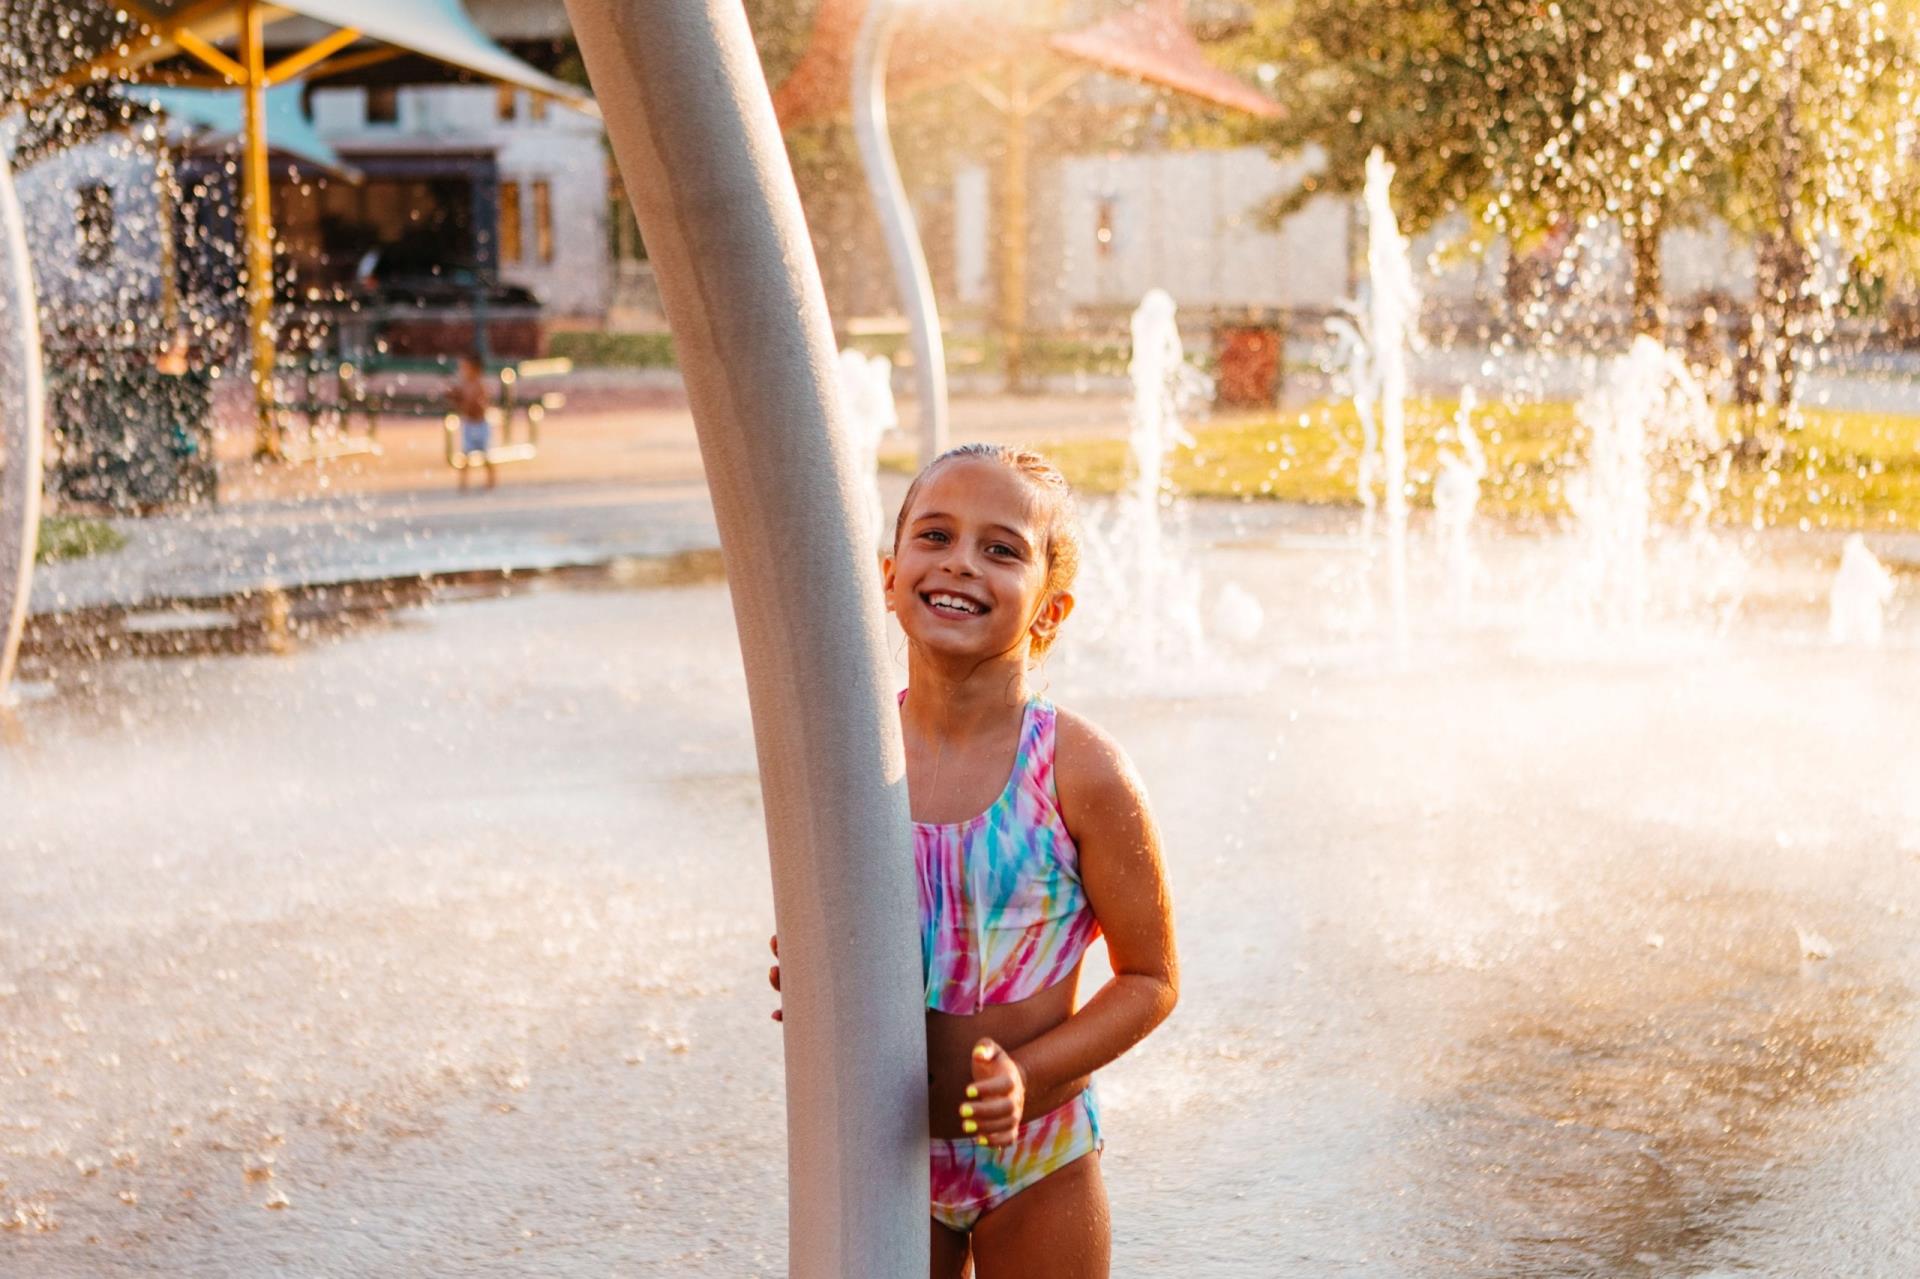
(949, 603)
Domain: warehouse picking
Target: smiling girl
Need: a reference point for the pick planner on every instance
(1032, 837)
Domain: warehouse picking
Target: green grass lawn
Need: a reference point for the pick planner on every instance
(1836, 470)
(67, 538)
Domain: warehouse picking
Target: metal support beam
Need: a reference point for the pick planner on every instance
(319, 51)
(354, 62)
(209, 55)
(701, 157)
(257, 227)
(896, 222)
(20, 421)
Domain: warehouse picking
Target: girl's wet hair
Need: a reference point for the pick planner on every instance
(1063, 523)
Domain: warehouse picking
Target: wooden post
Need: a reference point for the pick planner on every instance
(257, 228)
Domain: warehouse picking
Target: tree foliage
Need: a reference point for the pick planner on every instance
(1790, 119)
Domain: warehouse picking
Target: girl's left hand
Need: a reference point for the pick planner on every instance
(995, 1098)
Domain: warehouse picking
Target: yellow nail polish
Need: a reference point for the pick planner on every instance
(970, 1127)
(973, 1092)
(966, 1111)
(981, 1140)
(984, 1052)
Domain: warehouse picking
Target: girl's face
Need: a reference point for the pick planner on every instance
(969, 576)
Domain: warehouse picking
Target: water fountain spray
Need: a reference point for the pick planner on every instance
(1392, 304)
(866, 397)
(1352, 365)
(1861, 591)
(1646, 406)
(1456, 496)
(1149, 588)
(1164, 385)
(20, 421)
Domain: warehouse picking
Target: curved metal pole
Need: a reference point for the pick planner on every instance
(701, 157)
(20, 421)
(896, 221)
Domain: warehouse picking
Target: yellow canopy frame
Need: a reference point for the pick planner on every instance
(194, 30)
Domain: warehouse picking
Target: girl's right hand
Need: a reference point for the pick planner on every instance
(773, 973)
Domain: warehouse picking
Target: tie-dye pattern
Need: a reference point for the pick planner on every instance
(970, 1179)
(1002, 911)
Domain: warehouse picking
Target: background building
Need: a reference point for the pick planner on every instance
(493, 177)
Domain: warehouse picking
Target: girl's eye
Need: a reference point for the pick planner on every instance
(1001, 548)
(934, 534)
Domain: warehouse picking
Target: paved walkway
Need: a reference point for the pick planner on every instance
(618, 475)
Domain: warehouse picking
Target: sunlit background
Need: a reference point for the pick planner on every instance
(1498, 432)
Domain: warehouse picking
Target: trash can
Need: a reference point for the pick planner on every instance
(1251, 351)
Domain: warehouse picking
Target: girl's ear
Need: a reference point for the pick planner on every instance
(886, 580)
(1052, 613)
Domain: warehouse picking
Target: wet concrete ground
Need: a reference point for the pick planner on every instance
(438, 948)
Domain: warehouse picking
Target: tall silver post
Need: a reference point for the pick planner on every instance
(896, 221)
(701, 158)
(20, 420)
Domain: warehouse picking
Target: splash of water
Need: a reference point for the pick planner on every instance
(1456, 497)
(1861, 591)
(1645, 409)
(1149, 591)
(866, 396)
(1352, 365)
(1392, 304)
(1164, 387)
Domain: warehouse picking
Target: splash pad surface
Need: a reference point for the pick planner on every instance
(451, 936)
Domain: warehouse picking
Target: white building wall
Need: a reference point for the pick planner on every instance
(972, 223)
(1188, 222)
(564, 150)
(128, 282)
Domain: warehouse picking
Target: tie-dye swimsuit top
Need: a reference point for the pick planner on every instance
(1002, 912)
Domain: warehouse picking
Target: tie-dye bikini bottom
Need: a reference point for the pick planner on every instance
(970, 1179)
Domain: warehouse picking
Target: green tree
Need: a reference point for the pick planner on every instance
(1790, 119)
(1823, 163)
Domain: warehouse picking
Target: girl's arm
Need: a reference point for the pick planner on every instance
(1105, 808)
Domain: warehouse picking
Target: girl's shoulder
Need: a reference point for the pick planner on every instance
(1091, 770)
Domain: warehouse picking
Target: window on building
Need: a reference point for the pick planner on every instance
(543, 219)
(93, 221)
(383, 104)
(506, 103)
(510, 237)
(537, 107)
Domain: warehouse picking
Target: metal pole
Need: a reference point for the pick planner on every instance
(701, 157)
(20, 421)
(165, 187)
(257, 227)
(896, 222)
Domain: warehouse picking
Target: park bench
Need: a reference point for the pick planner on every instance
(331, 395)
